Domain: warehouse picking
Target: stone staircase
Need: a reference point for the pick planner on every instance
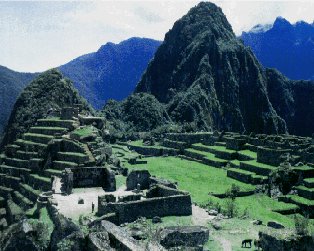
(21, 176)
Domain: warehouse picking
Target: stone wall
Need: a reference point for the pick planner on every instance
(140, 177)
(98, 122)
(94, 177)
(67, 113)
(175, 144)
(191, 138)
(270, 156)
(178, 204)
(235, 143)
(152, 151)
(269, 241)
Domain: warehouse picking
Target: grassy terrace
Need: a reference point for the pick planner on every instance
(248, 153)
(197, 178)
(200, 179)
(140, 143)
(30, 189)
(85, 131)
(42, 178)
(76, 154)
(300, 200)
(260, 165)
(206, 155)
(44, 217)
(38, 135)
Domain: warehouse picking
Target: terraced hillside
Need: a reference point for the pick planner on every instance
(248, 160)
(35, 163)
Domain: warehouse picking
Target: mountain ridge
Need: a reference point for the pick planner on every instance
(287, 47)
(112, 71)
(81, 70)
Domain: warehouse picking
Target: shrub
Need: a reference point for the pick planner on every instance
(284, 177)
(231, 208)
(232, 193)
(301, 225)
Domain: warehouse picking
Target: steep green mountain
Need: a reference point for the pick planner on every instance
(205, 75)
(112, 72)
(293, 101)
(139, 112)
(11, 84)
(49, 90)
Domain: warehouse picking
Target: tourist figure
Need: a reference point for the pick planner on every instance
(138, 188)
(93, 207)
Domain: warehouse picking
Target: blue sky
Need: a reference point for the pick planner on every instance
(36, 36)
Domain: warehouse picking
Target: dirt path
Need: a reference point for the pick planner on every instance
(69, 207)
(226, 245)
(200, 216)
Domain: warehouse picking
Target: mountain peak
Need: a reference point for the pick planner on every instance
(281, 23)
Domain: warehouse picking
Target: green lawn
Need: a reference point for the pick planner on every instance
(85, 131)
(44, 217)
(140, 143)
(206, 155)
(120, 181)
(248, 153)
(197, 178)
(200, 179)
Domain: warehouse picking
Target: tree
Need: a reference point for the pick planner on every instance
(284, 177)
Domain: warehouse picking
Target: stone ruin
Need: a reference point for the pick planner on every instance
(149, 200)
(46, 158)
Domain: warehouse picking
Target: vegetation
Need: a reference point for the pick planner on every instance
(201, 180)
(48, 90)
(11, 85)
(112, 72)
(85, 131)
(285, 177)
(301, 225)
(137, 113)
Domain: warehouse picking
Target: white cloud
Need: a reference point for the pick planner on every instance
(36, 36)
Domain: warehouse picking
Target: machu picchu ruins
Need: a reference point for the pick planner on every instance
(185, 144)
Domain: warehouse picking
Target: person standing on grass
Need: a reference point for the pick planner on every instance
(93, 207)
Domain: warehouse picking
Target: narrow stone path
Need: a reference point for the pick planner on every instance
(58, 185)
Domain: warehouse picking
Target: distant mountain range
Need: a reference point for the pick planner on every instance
(287, 47)
(11, 85)
(110, 73)
(114, 70)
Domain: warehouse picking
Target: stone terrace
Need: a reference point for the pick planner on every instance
(248, 158)
(29, 165)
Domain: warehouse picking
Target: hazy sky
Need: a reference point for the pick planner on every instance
(36, 36)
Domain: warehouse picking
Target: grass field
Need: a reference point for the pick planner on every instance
(197, 178)
(200, 179)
